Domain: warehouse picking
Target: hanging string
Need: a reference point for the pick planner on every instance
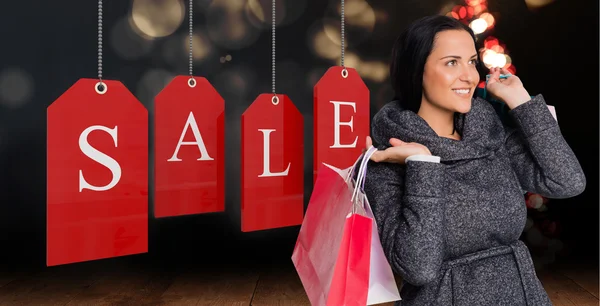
(275, 100)
(191, 81)
(342, 31)
(100, 86)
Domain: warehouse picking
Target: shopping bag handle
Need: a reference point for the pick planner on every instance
(353, 169)
(360, 178)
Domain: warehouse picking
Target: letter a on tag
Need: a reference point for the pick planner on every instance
(97, 174)
(189, 148)
(341, 118)
(272, 164)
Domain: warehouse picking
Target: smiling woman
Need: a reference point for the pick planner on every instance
(446, 186)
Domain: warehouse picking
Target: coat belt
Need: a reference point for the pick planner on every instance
(522, 258)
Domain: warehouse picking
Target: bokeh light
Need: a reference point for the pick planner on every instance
(370, 70)
(475, 2)
(478, 26)
(351, 60)
(126, 42)
(16, 87)
(536, 4)
(287, 12)
(489, 19)
(490, 41)
(153, 19)
(227, 25)
(351, 7)
(488, 57)
(235, 83)
(333, 32)
(512, 69)
(175, 50)
(322, 45)
(359, 13)
(258, 12)
(460, 11)
(535, 237)
(528, 223)
(359, 18)
(497, 48)
(150, 85)
(478, 9)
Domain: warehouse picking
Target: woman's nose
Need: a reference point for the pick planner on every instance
(466, 75)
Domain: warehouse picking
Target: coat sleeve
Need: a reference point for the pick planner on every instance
(539, 155)
(408, 206)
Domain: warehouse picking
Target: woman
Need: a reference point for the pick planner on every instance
(446, 185)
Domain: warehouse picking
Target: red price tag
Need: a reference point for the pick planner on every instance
(189, 148)
(97, 174)
(341, 118)
(272, 164)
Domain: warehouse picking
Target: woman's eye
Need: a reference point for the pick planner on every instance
(451, 63)
(474, 62)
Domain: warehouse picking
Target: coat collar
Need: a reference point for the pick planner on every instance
(481, 129)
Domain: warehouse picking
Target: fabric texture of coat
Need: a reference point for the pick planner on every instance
(451, 229)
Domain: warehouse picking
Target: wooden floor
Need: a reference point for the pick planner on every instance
(147, 282)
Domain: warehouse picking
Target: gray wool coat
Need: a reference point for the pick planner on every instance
(451, 229)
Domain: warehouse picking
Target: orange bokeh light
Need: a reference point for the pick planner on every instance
(489, 18)
(475, 2)
(478, 9)
(498, 48)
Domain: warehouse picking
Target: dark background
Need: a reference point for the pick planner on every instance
(46, 46)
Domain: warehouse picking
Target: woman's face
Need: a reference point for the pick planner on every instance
(450, 75)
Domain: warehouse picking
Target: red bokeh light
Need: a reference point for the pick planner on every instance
(462, 12)
(470, 12)
(512, 69)
(490, 42)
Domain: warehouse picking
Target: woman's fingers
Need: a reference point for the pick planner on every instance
(368, 142)
(396, 142)
(378, 156)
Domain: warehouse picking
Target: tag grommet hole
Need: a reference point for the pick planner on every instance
(344, 73)
(192, 82)
(275, 100)
(101, 88)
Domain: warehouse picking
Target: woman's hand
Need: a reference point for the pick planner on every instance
(509, 90)
(398, 152)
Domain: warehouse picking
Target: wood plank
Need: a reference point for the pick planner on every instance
(19, 288)
(8, 276)
(564, 292)
(116, 287)
(584, 275)
(280, 285)
(53, 286)
(218, 285)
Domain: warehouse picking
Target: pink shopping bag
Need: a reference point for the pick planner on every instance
(338, 254)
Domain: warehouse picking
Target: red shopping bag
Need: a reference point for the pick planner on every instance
(350, 285)
(333, 253)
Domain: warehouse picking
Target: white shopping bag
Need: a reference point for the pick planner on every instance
(382, 285)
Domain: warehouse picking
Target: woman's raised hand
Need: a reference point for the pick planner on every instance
(509, 90)
(398, 152)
